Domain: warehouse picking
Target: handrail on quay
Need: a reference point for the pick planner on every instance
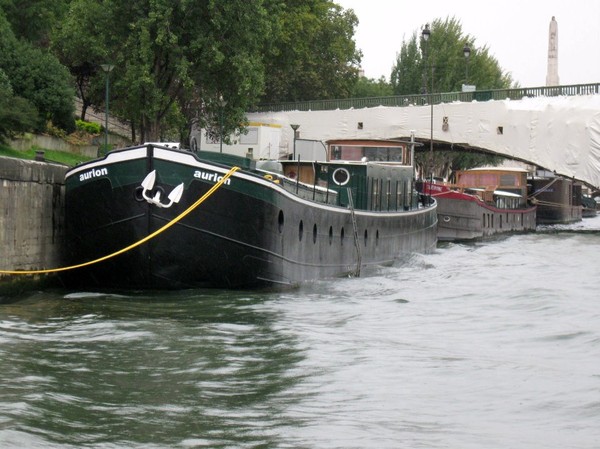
(436, 98)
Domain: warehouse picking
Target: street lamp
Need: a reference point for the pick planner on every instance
(467, 53)
(295, 128)
(222, 104)
(425, 35)
(431, 129)
(107, 68)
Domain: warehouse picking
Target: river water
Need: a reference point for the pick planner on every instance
(494, 344)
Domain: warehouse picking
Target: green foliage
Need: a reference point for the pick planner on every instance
(465, 160)
(439, 65)
(40, 78)
(447, 162)
(17, 115)
(55, 131)
(104, 149)
(61, 157)
(408, 75)
(369, 87)
(36, 76)
(79, 45)
(172, 59)
(88, 127)
(33, 20)
(175, 60)
(312, 54)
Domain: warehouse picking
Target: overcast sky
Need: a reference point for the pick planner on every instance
(515, 32)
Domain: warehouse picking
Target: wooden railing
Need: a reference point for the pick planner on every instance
(436, 98)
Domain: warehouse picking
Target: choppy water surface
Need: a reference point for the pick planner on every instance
(487, 345)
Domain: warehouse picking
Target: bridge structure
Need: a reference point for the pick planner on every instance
(554, 128)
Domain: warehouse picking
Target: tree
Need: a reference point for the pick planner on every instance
(409, 73)
(17, 115)
(33, 20)
(439, 64)
(40, 78)
(227, 70)
(175, 61)
(36, 75)
(172, 59)
(312, 54)
(76, 43)
(370, 87)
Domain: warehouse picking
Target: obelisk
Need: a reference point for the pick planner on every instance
(552, 74)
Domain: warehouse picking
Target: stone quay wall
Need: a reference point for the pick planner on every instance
(32, 215)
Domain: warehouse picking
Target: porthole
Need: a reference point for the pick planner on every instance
(300, 230)
(315, 233)
(341, 176)
(139, 193)
(446, 219)
(280, 221)
(330, 235)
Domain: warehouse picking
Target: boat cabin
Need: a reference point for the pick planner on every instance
(366, 174)
(505, 187)
(368, 151)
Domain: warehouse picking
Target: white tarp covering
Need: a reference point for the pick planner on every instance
(561, 134)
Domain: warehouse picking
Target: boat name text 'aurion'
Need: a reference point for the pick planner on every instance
(214, 177)
(94, 173)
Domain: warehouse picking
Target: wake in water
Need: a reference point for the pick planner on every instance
(491, 344)
(587, 225)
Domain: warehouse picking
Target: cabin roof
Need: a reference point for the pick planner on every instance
(496, 169)
(369, 142)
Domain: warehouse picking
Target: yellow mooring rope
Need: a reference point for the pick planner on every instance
(138, 243)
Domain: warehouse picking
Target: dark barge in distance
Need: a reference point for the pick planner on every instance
(558, 199)
(272, 223)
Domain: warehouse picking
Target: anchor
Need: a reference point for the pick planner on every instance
(148, 185)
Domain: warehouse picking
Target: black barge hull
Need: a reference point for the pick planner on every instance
(249, 233)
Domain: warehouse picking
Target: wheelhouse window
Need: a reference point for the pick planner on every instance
(384, 154)
(372, 153)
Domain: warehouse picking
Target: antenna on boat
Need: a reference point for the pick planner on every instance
(412, 149)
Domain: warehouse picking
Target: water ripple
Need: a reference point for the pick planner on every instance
(482, 345)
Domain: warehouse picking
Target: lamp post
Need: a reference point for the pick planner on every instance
(467, 53)
(107, 68)
(295, 128)
(425, 35)
(222, 104)
(431, 128)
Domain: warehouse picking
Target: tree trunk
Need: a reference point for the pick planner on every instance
(133, 131)
(84, 106)
(149, 130)
(154, 131)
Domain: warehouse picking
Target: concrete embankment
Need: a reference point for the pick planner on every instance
(32, 218)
